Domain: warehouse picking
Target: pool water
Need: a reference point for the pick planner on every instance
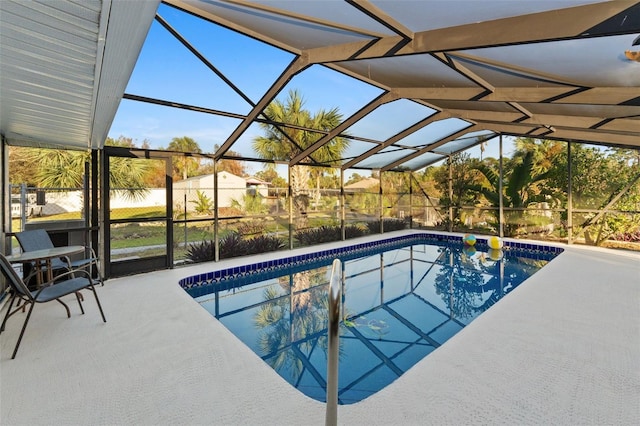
(398, 306)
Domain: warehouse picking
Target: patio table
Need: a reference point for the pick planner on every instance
(41, 259)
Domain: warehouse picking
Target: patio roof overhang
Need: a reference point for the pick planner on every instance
(563, 69)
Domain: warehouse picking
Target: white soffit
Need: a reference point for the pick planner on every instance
(64, 66)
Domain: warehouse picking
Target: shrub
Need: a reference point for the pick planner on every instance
(628, 237)
(354, 231)
(323, 234)
(232, 245)
(263, 244)
(389, 225)
(203, 205)
(201, 252)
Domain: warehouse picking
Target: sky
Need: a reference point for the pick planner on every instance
(167, 70)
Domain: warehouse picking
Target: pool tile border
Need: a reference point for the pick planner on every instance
(201, 284)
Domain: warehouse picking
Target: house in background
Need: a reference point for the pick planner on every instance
(230, 187)
(369, 184)
(185, 192)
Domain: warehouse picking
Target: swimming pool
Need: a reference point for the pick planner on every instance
(403, 298)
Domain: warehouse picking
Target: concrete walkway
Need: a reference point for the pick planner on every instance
(563, 348)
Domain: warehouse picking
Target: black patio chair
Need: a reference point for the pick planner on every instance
(66, 283)
(38, 239)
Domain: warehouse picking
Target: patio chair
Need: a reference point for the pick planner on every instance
(38, 239)
(64, 284)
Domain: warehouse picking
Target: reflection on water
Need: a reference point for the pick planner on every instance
(398, 306)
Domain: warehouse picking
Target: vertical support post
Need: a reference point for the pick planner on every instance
(23, 206)
(104, 249)
(335, 298)
(450, 194)
(95, 210)
(5, 199)
(216, 218)
(168, 189)
(380, 202)
(86, 206)
(501, 207)
(410, 174)
(184, 212)
(290, 207)
(569, 195)
(341, 210)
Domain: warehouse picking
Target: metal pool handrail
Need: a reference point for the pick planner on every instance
(335, 299)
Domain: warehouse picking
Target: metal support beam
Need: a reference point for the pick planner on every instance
(569, 195)
(395, 138)
(431, 147)
(500, 197)
(297, 65)
(382, 99)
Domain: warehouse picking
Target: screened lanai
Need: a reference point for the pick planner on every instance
(411, 97)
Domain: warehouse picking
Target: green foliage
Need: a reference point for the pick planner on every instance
(389, 225)
(64, 169)
(251, 204)
(628, 236)
(263, 244)
(521, 187)
(233, 245)
(284, 143)
(203, 251)
(203, 204)
(354, 231)
(323, 234)
(327, 233)
(464, 178)
(185, 165)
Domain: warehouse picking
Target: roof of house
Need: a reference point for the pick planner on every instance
(363, 184)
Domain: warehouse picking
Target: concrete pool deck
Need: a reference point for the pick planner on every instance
(563, 348)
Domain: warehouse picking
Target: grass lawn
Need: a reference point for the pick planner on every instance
(129, 235)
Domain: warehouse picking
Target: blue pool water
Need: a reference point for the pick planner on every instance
(402, 299)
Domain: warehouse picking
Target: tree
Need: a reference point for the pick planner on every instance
(64, 169)
(23, 165)
(59, 168)
(521, 186)
(185, 165)
(598, 177)
(235, 167)
(282, 143)
(464, 179)
(395, 192)
(356, 177)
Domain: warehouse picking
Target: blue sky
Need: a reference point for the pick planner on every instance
(168, 71)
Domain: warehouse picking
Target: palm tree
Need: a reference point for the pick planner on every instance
(520, 186)
(59, 168)
(282, 143)
(184, 165)
(65, 169)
